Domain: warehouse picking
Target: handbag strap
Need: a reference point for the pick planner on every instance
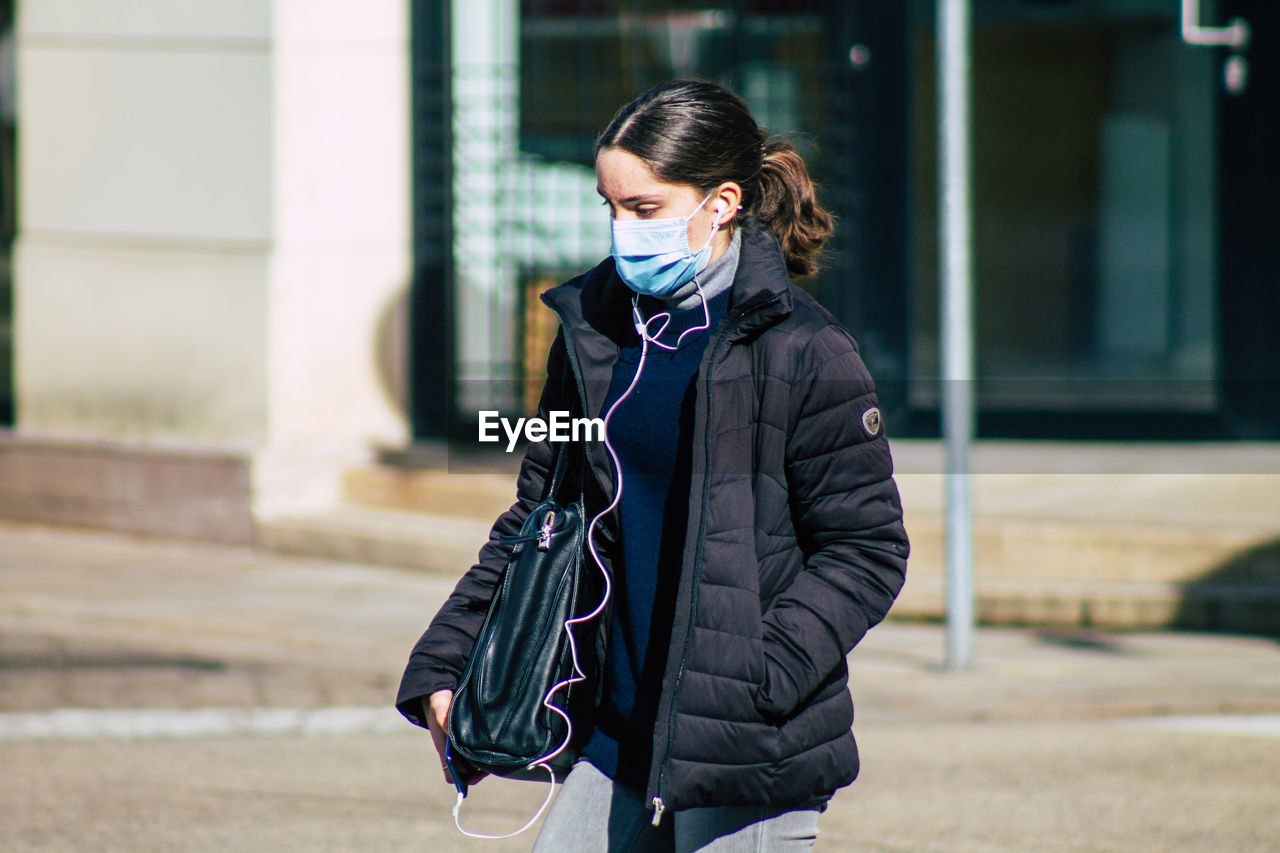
(564, 448)
(558, 468)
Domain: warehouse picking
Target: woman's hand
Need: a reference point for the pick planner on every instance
(436, 709)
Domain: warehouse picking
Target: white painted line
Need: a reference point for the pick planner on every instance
(1258, 725)
(92, 723)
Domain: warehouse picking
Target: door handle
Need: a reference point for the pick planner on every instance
(1235, 35)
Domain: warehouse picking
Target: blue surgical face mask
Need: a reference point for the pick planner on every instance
(653, 257)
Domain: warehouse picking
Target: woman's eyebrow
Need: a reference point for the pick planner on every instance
(632, 198)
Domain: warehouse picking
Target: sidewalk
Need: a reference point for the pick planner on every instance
(104, 620)
(1053, 741)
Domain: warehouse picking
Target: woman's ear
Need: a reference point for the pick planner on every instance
(727, 199)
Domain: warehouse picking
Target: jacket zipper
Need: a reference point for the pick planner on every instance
(656, 803)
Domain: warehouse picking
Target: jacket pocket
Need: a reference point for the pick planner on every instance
(777, 695)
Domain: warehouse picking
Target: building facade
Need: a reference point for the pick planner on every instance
(258, 241)
(212, 250)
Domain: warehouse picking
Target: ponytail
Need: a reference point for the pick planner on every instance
(785, 202)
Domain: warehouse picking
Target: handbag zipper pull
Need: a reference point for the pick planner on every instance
(544, 535)
(658, 808)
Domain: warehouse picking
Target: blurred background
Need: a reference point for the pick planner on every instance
(263, 260)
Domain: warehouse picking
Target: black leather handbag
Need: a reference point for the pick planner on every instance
(523, 662)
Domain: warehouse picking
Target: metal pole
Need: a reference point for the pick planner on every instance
(956, 320)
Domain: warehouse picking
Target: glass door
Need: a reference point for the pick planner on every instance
(580, 60)
(1095, 180)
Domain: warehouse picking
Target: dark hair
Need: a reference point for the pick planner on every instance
(699, 134)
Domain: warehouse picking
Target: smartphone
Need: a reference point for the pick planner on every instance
(458, 781)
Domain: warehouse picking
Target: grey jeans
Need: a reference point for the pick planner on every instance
(592, 813)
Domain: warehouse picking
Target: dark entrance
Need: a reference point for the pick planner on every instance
(1124, 239)
(1250, 164)
(1121, 263)
(8, 205)
(431, 325)
(831, 75)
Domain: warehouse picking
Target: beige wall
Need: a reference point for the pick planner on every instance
(214, 202)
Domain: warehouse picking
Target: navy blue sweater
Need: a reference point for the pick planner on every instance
(652, 434)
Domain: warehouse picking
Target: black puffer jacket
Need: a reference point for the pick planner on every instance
(795, 542)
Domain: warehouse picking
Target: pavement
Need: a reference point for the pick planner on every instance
(159, 695)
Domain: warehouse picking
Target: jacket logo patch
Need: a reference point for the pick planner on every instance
(871, 421)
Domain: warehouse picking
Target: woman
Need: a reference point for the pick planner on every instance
(758, 532)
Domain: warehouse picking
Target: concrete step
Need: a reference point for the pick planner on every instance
(1081, 551)
(448, 545)
(482, 494)
(1246, 608)
(1115, 536)
(430, 542)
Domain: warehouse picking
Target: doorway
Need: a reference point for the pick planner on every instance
(8, 205)
(1096, 187)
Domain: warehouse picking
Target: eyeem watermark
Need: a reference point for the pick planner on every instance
(558, 426)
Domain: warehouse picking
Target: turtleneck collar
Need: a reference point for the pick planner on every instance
(714, 280)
